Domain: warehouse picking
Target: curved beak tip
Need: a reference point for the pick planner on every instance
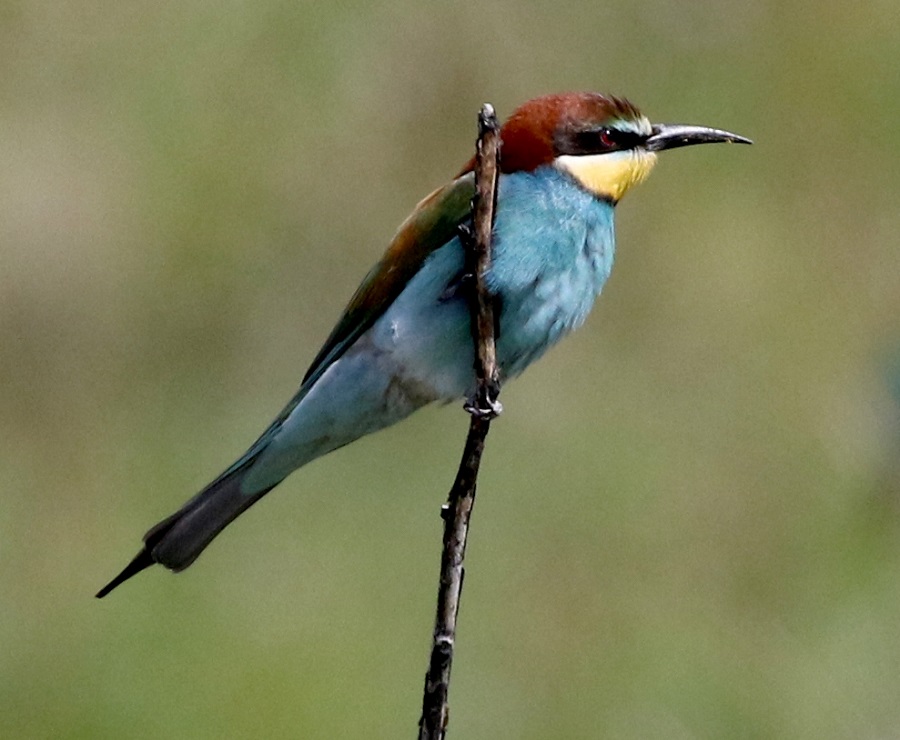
(672, 136)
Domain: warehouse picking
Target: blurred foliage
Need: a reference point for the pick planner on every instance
(689, 517)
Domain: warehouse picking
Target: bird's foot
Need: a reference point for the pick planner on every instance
(466, 232)
(484, 406)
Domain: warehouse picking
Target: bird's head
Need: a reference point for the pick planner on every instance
(604, 142)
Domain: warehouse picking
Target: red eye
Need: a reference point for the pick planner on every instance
(606, 139)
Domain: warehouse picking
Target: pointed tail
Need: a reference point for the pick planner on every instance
(177, 540)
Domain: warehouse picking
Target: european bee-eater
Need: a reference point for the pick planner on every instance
(404, 339)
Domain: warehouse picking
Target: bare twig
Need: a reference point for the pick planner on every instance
(483, 407)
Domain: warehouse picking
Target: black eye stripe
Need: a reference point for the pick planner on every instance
(597, 140)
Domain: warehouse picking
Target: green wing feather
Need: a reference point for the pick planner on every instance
(432, 224)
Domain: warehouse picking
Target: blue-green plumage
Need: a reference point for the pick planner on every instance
(553, 251)
(405, 341)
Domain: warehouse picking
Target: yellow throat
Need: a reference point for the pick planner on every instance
(609, 175)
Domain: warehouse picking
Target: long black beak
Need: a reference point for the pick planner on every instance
(672, 136)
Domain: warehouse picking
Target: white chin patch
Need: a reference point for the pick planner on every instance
(609, 175)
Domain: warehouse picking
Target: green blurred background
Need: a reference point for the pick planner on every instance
(688, 523)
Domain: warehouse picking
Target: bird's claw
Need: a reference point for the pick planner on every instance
(465, 231)
(484, 406)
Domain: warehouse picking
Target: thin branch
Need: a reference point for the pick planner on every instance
(483, 407)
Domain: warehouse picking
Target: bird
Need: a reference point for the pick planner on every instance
(404, 339)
